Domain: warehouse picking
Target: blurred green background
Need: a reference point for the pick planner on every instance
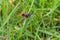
(29, 19)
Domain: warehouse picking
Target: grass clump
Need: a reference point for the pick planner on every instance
(29, 20)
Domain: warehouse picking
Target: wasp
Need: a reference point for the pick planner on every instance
(24, 14)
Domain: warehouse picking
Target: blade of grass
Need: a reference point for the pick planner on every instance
(52, 10)
(11, 14)
(31, 6)
(49, 33)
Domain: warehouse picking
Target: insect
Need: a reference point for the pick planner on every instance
(24, 14)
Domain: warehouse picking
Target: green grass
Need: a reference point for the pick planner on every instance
(42, 24)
